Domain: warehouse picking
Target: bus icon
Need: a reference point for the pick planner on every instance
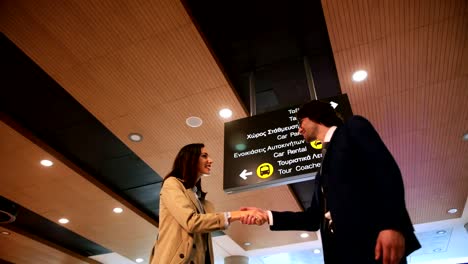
(264, 170)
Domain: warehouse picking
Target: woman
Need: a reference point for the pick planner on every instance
(185, 217)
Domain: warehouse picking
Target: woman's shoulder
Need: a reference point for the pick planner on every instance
(172, 180)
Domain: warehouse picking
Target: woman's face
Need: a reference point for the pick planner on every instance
(204, 162)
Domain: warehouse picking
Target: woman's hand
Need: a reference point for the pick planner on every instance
(255, 216)
(250, 216)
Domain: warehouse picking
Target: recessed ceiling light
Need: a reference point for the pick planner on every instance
(247, 244)
(304, 235)
(194, 121)
(117, 210)
(452, 211)
(135, 137)
(225, 113)
(359, 76)
(441, 232)
(317, 251)
(465, 137)
(5, 233)
(63, 221)
(139, 260)
(46, 163)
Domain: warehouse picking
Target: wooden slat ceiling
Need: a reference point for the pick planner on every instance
(19, 248)
(53, 191)
(141, 66)
(416, 54)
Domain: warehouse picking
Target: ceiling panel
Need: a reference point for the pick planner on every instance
(18, 248)
(58, 191)
(148, 85)
(142, 66)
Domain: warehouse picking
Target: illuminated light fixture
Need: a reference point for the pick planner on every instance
(247, 244)
(441, 232)
(5, 233)
(135, 137)
(63, 221)
(46, 163)
(359, 76)
(139, 260)
(304, 235)
(117, 210)
(317, 251)
(194, 121)
(452, 211)
(225, 113)
(465, 137)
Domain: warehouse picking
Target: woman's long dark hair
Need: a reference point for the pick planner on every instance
(186, 167)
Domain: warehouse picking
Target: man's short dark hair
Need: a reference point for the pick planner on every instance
(320, 112)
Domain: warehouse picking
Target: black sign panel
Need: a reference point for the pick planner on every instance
(267, 150)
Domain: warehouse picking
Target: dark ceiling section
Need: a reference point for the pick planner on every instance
(29, 223)
(272, 47)
(37, 103)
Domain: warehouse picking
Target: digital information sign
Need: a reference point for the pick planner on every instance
(267, 150)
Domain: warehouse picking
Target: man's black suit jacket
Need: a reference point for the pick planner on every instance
(364, 193)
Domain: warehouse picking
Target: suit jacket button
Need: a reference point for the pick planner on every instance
(181, 255)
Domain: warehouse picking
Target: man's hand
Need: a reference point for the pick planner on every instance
(390, 246)
(259, 218)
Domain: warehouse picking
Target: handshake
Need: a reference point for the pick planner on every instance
(251, 216)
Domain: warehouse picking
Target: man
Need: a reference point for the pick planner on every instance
(358, 201)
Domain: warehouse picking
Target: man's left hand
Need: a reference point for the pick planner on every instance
(390, 247)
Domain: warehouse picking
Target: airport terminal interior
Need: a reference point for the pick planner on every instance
(99, 96)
